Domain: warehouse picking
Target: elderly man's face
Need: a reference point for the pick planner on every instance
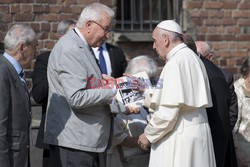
(28, 54)
(204, 49)
(100, 31)
(159, 42)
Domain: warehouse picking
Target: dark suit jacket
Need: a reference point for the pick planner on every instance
(233, 112)
(14, 118)
(40, 92)
(219, 117)
(117, 59)
(1, 46)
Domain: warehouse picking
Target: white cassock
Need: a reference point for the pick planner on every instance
(179, 129)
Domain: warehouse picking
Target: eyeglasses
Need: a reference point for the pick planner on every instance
(106, 30)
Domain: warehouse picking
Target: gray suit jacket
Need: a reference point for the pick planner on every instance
(14, 118)
(78, 116)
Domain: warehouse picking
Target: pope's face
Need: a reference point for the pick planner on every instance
(159, 43)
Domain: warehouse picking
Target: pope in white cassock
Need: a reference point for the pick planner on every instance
(178, 130)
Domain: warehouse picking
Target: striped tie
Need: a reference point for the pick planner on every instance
(22, 76)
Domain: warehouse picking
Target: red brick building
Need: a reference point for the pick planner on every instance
(223, 23)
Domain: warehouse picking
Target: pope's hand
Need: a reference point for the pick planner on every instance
(132, 109)
(136, 83)
(143, 142)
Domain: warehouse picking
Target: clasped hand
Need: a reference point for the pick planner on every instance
(143, 142)
(109, 81)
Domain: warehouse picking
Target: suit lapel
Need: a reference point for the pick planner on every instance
(18, 84)
(93, 62)
(88, 56)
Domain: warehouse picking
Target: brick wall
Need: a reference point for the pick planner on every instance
(42, 15)
(224, 24)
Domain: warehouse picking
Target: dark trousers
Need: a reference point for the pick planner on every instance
(46, 157)
(67, 157)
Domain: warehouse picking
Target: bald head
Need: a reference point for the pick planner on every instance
(204, 49)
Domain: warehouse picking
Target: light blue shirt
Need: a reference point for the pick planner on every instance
(15, 64)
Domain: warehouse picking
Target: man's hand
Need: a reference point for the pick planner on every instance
(109, 81)
(143, 142)
(132, 109)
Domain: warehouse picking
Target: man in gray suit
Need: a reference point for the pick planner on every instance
(40, 87)
(78, 120)
(20, 46)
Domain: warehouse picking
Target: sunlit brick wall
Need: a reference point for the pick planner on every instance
(42, 15)
(224, 24)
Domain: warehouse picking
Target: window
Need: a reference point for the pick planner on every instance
(144, 15)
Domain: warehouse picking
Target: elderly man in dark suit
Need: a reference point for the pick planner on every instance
(40, 86)
(205, 50)
(221, 122)
(220, 114)
(20, 46)
(219, 117)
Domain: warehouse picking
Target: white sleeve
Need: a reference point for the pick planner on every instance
(162, 122)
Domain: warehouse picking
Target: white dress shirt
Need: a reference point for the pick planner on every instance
(106, 57)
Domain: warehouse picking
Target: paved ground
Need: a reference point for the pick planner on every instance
(243, 151)
(35, 153)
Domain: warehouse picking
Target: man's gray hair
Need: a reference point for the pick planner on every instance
(64, 25)
(94, 12)
(19, 33)
(203, 48)
(142, 63)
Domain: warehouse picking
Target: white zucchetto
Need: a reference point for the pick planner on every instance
(170, 25)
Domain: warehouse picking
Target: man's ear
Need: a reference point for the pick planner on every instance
(88, 25)
(21, 47)
(210, 56)
(166, 40)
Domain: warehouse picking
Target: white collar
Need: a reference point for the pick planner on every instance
(80, 35)
(104, 47)
(174, 50)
